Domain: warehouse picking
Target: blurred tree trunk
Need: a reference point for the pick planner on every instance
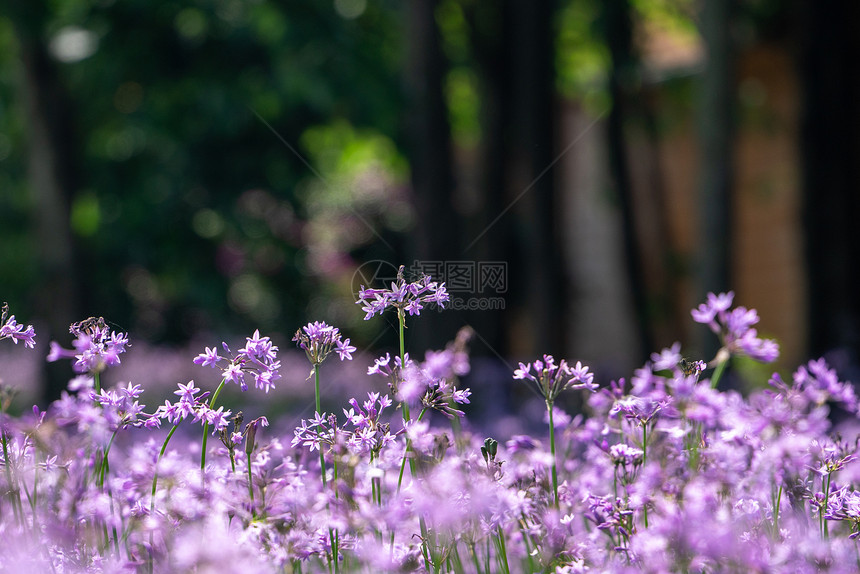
(618, 33)
(831, 171)
(490, 31)
(52, 180)
(716, 132)
(437, 237)
(533, 177)
(513, 43)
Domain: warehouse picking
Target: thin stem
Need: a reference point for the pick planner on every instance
(776, 512)
(155, 474)
(644, 460)
(154, 485)
(319, 410)
(104, 467)
(718, 371)
(552, 451)
(251, 487)
(13, 490)
(401, 321)
(475, 561)
(206, 424)
(34, 500)
(823, 509)
(331, 533)
(503, 552)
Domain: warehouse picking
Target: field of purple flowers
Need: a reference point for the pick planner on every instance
(661, 473)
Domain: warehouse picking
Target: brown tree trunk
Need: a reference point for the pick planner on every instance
(716, 132)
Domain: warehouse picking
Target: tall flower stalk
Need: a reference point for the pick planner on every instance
(318, 340)
(735, 329)
(258, 359)
(405, 298)
(550, 380)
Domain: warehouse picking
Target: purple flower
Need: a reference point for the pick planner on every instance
(10, 329)
(208, 359)
(461, 396)
(187, 391)
(217, 419)
(258, 358)
(716, 305)
(551, 379)
(667, 359)
(319, 339)
(345, 350)
(735, 328)
(403, 296)
(95, 350)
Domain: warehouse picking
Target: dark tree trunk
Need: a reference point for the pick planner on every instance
(716, 131)
(831, 171)
(489, 236)
(52, 181)
(437, 237)
(533, 159)
(618, 29)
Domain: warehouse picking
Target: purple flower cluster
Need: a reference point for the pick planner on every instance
(258, 358)
(11, 329)
(551, 379)
(95, 349)
(431, 384)
(191, 404)
(661, 473)
(405, 297)
(735, 327)
(319, 339)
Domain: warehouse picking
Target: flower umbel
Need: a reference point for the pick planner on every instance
(96, 347)
(403, 296)
(10, 329)
(319, 339)
(258, 358)
(735, 327)
(551, 379)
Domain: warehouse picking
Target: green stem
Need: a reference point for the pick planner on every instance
(644, 460)
(155, 474)
(206, 425)
(155, 485)
(527, 542)
(718, 372)
(318, 405)
(13, 489)
(503, 552)
(823, 510)
(103, 470)
(251, 487)
(401, 321)
(552, 452)
(319, 410)
(34, 500)
(776, 512)
(97, 383)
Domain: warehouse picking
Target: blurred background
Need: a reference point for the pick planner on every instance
(193, 170)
